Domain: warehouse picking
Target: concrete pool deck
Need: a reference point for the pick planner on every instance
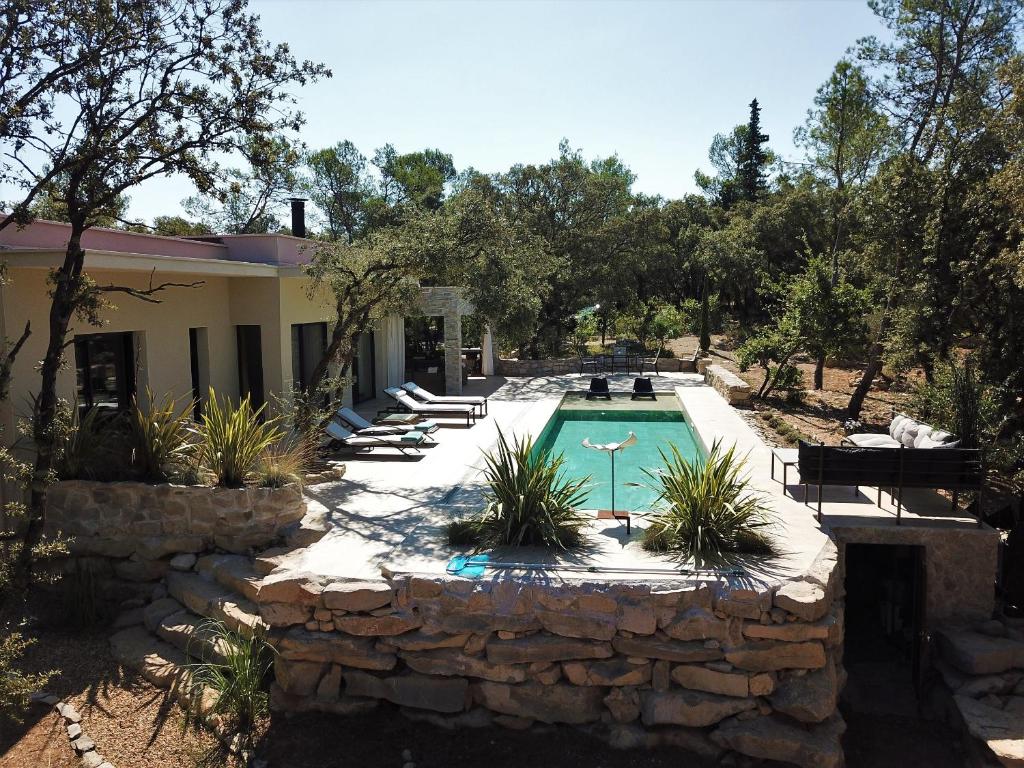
(388, 513)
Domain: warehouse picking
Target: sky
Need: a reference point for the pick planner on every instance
(498, 83)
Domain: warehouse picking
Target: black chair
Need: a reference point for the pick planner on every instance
(651, 362)
(599, 388)
(642, 387)
(594, 364)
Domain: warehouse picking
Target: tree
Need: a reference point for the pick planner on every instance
(166, 87)
(245, 202)
(845, 137)
(753, 159)
(340, 188)
(179, 226)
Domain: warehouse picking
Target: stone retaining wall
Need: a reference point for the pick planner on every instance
(559, 366)
(710, 666)
(730, 386)
(148, 522)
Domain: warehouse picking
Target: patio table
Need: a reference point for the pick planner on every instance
(788, 457)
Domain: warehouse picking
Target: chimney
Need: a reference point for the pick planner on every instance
(298, 216)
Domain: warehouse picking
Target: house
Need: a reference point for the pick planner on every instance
(246, 325)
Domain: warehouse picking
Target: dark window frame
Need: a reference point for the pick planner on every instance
(124, 369)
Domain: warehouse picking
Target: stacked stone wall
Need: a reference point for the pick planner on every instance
(560, 366)
(145, 523)
(709, 666)
(730, 386)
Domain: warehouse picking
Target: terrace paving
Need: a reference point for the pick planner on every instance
(390, 511)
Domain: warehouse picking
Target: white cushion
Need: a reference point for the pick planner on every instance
(901, 428)
(909, 433)
(865, 440)
(943, 437)
(898, 419)
(928, 442)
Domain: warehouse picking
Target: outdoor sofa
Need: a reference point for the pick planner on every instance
(952, 469)
(907, 432)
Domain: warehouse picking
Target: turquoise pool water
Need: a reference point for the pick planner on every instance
(566, 430)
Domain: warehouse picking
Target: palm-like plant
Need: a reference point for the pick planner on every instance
(162, 438)
(231, 440)
(706, 511)
(531, 502)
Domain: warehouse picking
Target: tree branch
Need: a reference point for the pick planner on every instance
(147, 294)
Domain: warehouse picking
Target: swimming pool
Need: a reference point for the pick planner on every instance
(656, 425)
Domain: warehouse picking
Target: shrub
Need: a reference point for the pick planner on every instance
(958, 401)
(284, 462)
(91, 446)
(16, 686)
(161, 439)
(237, 673)
(706, 511)
(231, 440)
(530, 502)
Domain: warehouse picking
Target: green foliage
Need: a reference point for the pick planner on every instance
(771, 348)
(94, 445)
(959, 402)
(16, 686)
(237, 670)
(706, 511)
(530, 502)
(162, 446)
(232, 439)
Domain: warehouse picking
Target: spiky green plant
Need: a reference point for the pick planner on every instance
(232, 439)
(91, 445)
(530, 503)
(236, 667)
(162, 442)
(706, 511)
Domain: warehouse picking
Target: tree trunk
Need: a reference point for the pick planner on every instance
(44, 432)
(874, 367)
(819, 371)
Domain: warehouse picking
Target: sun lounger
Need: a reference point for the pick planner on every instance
(362, 426)
(338, 437)
(405, 401)
(599, 388)
(430, 398)
(642, 388)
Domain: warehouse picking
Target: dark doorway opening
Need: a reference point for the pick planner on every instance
(105, 370)
(885, 625)
(424, 352)
(364, 377)
(250, 364)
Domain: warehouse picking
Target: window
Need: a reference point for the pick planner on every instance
(105, 367)
(309, 342)
(199, 365)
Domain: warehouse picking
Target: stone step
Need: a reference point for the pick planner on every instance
(235, 572)
(193, 636)
(270, 559)
(214, 601)
(161, 664)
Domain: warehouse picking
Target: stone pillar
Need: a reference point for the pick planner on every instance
(487, 352)
(452, 353)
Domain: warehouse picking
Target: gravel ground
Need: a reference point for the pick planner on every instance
(132, 723)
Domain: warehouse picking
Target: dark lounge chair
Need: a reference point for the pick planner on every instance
(599, 388)
(642, 387)
(950, 469)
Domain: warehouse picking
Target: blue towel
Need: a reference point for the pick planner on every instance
(412, 437)
(425, 426)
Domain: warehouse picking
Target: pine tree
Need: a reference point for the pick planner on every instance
(753, 157)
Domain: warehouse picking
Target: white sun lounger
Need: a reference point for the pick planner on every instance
(424, 409)
(416, 390)
(338, 436)
(362, 426)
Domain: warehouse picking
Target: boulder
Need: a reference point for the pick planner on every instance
(1002, 731)
(299, 678)
(615, 671)
(664, 648)
(803, 599)
(437, 694)
(698, 678)
(770, 738)
(810, 698)
(293, 587)
(556, 703)
(690, 708)
(638, 619)
(698, 624)
(451, 662)
(544, 648)
(767, 656)
(422, 640)
(978, 654)
(624, 704)
(578, 625)
(159, 610)
(183, 562)
(357, 595)
(376, 626)
(299, 644)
